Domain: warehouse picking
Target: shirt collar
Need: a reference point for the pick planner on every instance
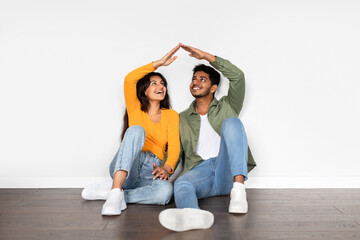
(192, 110)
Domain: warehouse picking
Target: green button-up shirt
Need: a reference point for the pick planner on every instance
(219, 110)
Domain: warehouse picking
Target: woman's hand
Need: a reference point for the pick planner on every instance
(167, 59)
(161, 172)
(198, 54)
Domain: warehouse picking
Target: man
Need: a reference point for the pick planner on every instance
(213, 145)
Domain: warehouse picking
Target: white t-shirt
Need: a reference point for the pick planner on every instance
(209, 141)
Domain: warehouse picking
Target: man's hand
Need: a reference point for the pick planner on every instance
(198, 54)
(167, 59)
(161, 172)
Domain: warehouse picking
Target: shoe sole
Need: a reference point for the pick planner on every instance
(180, 220)
(238, 210)
(85, 197)
(110, 213)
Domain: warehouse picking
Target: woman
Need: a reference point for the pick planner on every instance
(153, 130)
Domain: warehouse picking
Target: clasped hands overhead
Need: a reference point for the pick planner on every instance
(168, 58)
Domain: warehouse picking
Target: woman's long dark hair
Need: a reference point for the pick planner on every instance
(141, 87)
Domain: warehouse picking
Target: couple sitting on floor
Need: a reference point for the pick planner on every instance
(208, 138)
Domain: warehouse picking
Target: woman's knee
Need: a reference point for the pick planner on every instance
(164, 190)
(136, 130)
(134, 135)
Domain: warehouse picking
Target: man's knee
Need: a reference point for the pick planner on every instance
(230, 124)
(182, 186)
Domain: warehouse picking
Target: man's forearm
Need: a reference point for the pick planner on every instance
(210, 58)
(236, 92)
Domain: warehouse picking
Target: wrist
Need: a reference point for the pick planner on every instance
(210, 58)
(167, 168)
(156, 63)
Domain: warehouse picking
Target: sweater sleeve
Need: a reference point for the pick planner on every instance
(173, 140)
(131, 100)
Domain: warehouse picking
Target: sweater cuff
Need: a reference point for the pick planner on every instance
(150, 65)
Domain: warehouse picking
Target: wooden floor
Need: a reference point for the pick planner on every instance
(273, 214)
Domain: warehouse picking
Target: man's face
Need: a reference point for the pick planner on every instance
(201, 85)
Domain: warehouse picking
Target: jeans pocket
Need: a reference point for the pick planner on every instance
(147, 166)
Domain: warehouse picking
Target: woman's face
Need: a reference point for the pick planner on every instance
(156, 90)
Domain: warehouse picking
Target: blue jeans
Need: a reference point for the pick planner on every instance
(139, 186)
(215, 176)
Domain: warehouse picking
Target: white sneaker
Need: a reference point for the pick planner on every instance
(238, 202)
(186, 219)
(96, 191)
(115, 203)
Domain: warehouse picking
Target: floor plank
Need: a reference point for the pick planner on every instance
(273, 214)
(303, 203)
(301, 236)
(46, 221)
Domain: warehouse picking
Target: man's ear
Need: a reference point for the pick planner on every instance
(213, 88)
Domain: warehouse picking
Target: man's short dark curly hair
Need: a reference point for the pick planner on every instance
(213, 74)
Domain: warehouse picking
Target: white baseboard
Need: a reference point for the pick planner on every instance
(253, 182)
(303, 182)
(50, 182)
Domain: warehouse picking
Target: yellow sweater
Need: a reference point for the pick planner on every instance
(158, 135)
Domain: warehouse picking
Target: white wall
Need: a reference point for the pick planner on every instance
(62, 65)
